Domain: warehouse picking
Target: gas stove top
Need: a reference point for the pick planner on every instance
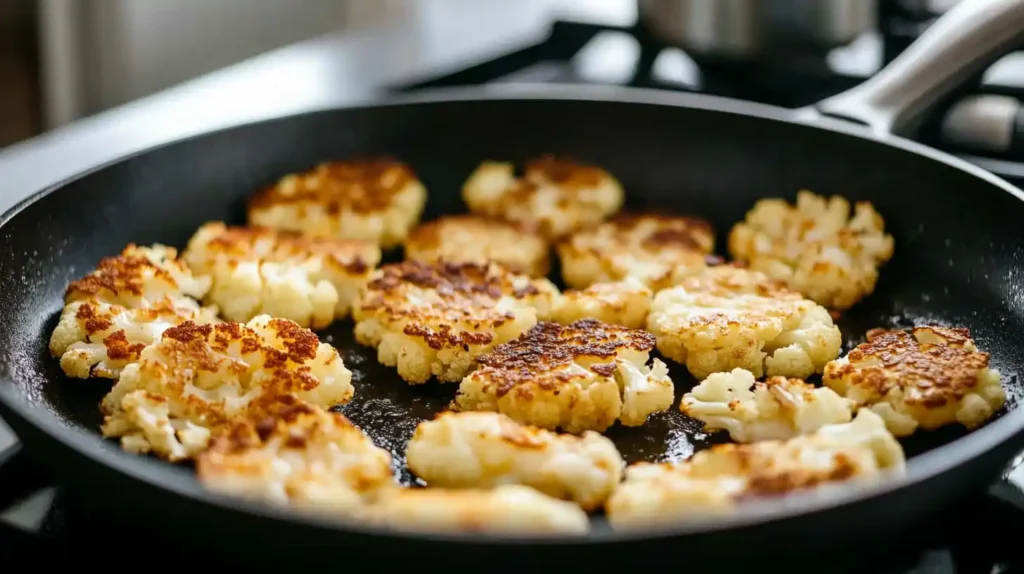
(975, 537)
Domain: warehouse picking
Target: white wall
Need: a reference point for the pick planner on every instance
(100, 53)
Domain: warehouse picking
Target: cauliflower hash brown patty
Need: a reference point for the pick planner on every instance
(777, 409)
(435, 319)
(623, 303)
(508, 509)
(484, 450)
(475, 239)
(376, 200)
(198, 377)
(930, 377)
(579, 377)
(124, 304)
(261, 271)
(656, 249)
(715, 480)
(555, 196)
(296, 454)
(728, 317)
(815, 247)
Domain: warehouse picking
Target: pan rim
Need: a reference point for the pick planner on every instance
(155, 474)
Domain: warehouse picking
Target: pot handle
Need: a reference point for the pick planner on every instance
(963, 42)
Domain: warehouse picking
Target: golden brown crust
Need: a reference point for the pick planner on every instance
(566, 171)
(941, 371)
(429, 235)
(729, 280)
(359, 185)
(120, 274)
(450, 280)
(191, 348)
(350, 255)
(465, 292)
(549, 347)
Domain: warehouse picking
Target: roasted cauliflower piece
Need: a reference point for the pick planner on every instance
(625, 303)
(777, 409)
(296, 454)
(485, 450)
(259, 271)
(656, 249)
(122, 306)
(555, 196)
(198, 377)
(435, 319)
(714, 481)
(816, 247)
(475, 239)
(579, 377)
(930, 377)
(509, 509)
(728, 317)
(376, 200)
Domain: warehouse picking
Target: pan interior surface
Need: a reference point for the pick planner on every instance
(957, 258)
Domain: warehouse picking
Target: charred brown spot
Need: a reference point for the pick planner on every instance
(359, 185)
(931, 359)
(537, 355)
(188, 331)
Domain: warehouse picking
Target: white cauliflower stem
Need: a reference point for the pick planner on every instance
(485, 450)
(258, 271)
(815, 247)
(377, 200)
(198, 377)
(435, 319)
(555, 196)
(715, 481)
(583, 376)
(930, 377)
(728, 317)
(776, 409)
(112, 313)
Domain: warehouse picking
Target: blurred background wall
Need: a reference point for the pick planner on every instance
(64, 59)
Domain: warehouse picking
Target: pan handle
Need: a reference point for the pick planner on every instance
(961, 44)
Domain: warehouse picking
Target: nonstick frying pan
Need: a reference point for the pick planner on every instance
(958, 262)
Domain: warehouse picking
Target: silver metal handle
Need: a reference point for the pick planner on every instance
(963, 42)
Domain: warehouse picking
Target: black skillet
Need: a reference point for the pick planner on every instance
(957, 262)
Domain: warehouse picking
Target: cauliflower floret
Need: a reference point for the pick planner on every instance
(583, 376)
(475, 239)
(555, 196)
(296, 454)
(623, 303)
(728, 317)
(931, 377)
(509, 509)
(200, 376)
(437, 318)
(260, 271)
(484, 450)
(656, 249)
(815, 247)
(376, 200)
(714, 481)
(122, 306)
(777, 409)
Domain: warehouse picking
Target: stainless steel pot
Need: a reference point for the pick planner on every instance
(752, 29)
